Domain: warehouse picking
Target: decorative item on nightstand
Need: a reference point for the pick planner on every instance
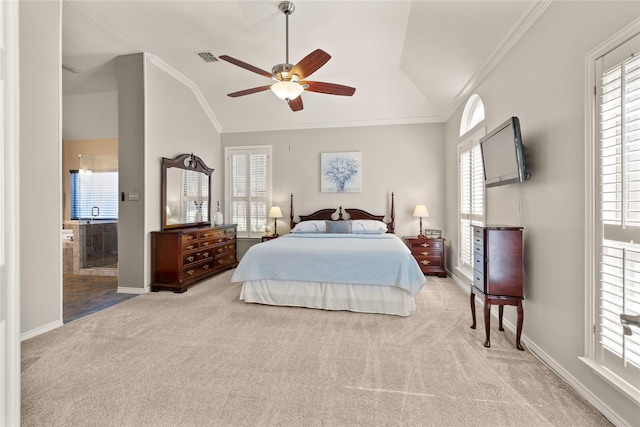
(421, 211)
(275, 213)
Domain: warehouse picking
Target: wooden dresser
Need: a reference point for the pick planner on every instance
(429, 252)
(182, 257)
(498, 274)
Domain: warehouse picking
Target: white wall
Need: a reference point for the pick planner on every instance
(542, 81)
(159, 116)
(176, 124)
(405, 159)
(40, 162)
(90, 116)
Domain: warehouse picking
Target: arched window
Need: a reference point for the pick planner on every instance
(472, 115)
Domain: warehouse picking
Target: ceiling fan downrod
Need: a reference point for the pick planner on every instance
(287, 7)
(281, 71)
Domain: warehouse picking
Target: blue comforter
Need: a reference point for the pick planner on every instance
(374, 259)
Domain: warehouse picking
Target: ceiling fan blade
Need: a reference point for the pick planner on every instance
(329, 88)
(249, 91)
(296, 104)
(310, 63)
(246, 66)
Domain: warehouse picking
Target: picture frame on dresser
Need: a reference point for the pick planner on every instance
(432, 233)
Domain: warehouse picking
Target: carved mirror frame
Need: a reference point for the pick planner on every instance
(184, 163)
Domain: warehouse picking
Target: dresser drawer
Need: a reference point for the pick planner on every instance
(424, 252)
(198, 270)
(211, 233)
(478, 262)
(427, 262)
(192, 257)
(478, 281)
(419, 244)
(225, 260)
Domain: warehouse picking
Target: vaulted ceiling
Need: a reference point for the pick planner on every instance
(410, 61)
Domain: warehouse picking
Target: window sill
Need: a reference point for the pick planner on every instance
(626, 389)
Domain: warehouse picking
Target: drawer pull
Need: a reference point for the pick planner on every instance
(190, 247)
(205, 254)
(190, 258)
(425, 262)
(425, 253)
(425, 245)
(205, 235)
(190, 272)
(206, 266)
(220, 250)
(189, 237)
(220, 240)
(205, 243)
(221, 261)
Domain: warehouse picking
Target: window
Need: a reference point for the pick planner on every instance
(248, 190)
(94, 195)
(471, 203)
(615, 220)
(472, 114)
(471, 182)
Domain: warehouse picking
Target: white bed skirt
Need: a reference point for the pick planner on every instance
(330, 296)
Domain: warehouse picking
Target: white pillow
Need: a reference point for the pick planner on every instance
(310, 227)
(368, 226)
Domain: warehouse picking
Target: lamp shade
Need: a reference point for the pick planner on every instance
(421, 211)
(275, 212)
(287, 89)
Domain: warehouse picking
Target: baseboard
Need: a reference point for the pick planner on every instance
(127, 290)
(550, 363)
(577, 385)
(41, 330)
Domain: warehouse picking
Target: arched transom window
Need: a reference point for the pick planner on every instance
(472, 115)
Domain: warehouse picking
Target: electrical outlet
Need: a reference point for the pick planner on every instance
(134, 197)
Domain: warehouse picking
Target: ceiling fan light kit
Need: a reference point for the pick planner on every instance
(289, 78)
(287, 90)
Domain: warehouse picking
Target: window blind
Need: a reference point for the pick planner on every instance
(248, 189)
(94, 195)
(471, 199)
(619, 280)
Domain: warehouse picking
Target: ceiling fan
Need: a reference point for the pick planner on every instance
(290, 79)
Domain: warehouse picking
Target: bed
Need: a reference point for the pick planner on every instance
(334, 260)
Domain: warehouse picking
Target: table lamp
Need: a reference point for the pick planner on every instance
(421, 211)
(275, 213)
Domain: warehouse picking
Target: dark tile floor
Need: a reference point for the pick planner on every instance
(84, 294)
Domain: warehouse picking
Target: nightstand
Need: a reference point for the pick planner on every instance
(265, 238)
(429, 252)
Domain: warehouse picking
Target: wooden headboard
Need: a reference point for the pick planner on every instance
(330, 214)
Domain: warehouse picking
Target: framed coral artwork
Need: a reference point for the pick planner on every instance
(341, 172)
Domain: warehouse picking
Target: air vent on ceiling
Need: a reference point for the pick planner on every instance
(70, 69)
(207, 57)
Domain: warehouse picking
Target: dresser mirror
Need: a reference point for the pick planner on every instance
(186, 192)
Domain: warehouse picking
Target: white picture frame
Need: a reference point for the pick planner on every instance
(341, 172)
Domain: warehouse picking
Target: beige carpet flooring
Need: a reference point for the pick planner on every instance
(204, 358)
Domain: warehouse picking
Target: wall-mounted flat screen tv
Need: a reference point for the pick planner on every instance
(503, 155)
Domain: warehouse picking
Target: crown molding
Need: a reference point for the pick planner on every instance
(528, 18)
(191, 85)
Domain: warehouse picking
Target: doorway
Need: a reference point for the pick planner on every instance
(90, 226)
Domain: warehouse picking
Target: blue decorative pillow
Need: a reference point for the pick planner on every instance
(340, 227)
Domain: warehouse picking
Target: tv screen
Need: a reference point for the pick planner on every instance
(503, 155)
